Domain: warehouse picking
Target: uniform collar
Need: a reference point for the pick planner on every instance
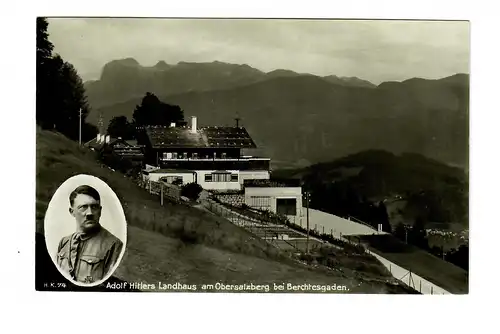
(84, 236)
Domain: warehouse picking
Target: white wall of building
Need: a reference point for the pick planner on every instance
(274, 193)
(186, 177)
(212, 185)
(253, 175)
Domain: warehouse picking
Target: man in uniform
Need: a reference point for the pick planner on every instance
(92, 251)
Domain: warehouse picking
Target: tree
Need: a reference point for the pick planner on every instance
(152, 111)
(71, 99)
(191, 190)
(417, 235)
(383, 217)
(43, 73)
(120, 127)
(460, 257)
(60, 95)
(400, 232)
(43, 46)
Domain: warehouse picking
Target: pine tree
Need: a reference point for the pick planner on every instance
(60, 94)
(120, 127)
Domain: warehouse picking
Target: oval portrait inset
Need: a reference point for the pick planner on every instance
(85, 230)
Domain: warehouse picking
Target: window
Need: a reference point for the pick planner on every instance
(208, 177)
(172, 179)
(221, 177)
(223, 155)
(185, 155)
(195, 155)
(174, 155)
(234, 177)
(260, 202)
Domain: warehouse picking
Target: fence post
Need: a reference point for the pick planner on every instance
(161, 193)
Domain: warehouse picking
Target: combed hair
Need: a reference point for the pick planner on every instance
(84, 190)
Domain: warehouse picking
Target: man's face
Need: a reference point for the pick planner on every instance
(87, 212)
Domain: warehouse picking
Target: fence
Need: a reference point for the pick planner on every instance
(162, 189)
(290, 236)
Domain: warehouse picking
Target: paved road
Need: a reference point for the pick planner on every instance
(322, 221)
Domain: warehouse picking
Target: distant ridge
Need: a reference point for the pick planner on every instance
(123, 79)
(304, 119)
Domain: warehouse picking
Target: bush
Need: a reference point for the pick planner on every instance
(191, 190)
(177, 182)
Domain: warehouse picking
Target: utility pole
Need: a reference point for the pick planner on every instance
(307, 219)
(80, 129)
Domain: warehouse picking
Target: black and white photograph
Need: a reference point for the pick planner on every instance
(85, 230)
(234, 155)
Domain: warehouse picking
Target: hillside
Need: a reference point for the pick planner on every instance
(410, 185)
(175, 242)
(300, 119)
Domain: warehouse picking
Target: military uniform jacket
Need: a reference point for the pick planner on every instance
(89, 258)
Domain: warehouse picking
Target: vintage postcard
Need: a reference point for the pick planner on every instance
(319, 156)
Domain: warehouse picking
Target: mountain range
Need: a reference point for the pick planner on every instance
(298, 118)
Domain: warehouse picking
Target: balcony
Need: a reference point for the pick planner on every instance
(273, 183)
(216, 163)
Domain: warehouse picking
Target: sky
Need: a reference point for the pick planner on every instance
(374, 50)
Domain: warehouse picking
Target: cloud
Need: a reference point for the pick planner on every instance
(374, 50)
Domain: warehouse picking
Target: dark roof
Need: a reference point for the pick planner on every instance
(93, 144)
(171, 171)
(130, 144)
(206, 137)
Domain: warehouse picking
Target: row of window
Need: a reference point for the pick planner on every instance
(176, 155)
(261, 202)
(221, 177)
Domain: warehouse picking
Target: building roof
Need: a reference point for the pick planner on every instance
(205, 137)
(112, 141)
(173, 171)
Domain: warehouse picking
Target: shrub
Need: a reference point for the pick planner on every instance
(191, 190)
(177, 182)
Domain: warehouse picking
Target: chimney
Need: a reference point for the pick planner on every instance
(101, 138)
(193, 124)
(172, 125)
(98, 137)
(107, 139)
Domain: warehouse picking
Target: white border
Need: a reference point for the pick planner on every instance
(112, 218)
(148, 313)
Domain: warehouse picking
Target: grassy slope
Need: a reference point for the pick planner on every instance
(174, 243)
(444, 274)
